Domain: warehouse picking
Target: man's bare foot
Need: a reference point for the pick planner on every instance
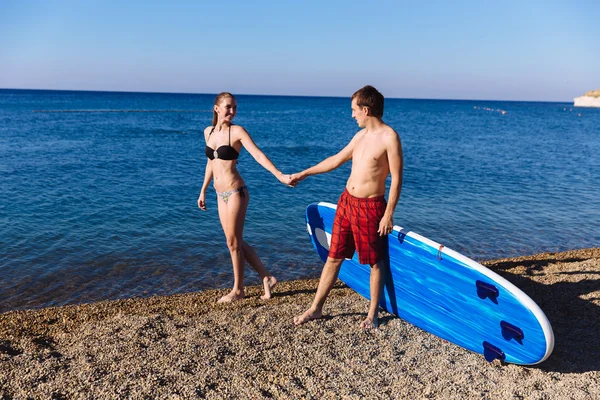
(269, 283)
(232, 296)
(370, 323)
(308, 315)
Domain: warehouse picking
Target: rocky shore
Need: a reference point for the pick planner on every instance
(186, 346)
(590, 99)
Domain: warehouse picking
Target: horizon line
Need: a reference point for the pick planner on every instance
(277, 95)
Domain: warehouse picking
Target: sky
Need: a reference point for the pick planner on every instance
(534, 50)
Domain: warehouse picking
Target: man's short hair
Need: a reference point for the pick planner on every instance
(370, 97)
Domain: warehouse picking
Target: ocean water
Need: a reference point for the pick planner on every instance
(98, 190)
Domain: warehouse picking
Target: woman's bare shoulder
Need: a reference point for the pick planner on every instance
(237, 128)
(239, 131)
(207, 131)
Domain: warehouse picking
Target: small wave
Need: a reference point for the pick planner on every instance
(503, 112)
(121, 111)
(168, 131)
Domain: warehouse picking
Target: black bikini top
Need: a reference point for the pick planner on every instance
(223, 152)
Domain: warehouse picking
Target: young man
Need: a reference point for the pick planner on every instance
(363, 219)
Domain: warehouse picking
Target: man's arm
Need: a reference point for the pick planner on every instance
(396, 164)
(328, 164)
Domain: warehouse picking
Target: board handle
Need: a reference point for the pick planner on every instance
(491, 352)
(487, 290)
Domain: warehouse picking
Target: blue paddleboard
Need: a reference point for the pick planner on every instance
(446, 294)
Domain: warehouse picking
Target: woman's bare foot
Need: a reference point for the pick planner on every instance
(308, 315)
(269, 283)
(232, 296)
(370, 323)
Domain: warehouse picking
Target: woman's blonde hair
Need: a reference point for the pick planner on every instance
(220, 97)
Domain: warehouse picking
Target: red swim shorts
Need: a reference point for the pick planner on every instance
(355, 228)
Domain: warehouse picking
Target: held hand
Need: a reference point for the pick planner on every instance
(293, 180)
(297, 177)
(386, 225)
(202, 201)
(285, 179)
(289, 181)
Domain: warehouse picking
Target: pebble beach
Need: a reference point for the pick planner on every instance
(187, 346)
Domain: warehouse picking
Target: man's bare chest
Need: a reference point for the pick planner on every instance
(368, 150)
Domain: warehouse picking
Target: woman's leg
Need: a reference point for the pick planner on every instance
(232, 215)
(256, 263)
(268, 280)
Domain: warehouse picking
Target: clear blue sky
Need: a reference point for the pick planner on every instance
(500, 50)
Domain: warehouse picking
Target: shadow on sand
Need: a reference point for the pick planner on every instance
(573, 319)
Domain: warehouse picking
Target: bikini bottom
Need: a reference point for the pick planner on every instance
(225, 195)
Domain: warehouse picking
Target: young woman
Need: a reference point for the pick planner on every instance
(224, 142)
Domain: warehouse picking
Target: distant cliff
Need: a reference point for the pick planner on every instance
(590, 99)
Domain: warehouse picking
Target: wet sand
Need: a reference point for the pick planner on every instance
(186, 346)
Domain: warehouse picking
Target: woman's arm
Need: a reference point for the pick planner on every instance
(259, 156)
(208, 175)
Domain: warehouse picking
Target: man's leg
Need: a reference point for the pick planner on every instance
(376, 283)
(328, 279)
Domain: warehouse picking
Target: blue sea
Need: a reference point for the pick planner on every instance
(98, 189)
